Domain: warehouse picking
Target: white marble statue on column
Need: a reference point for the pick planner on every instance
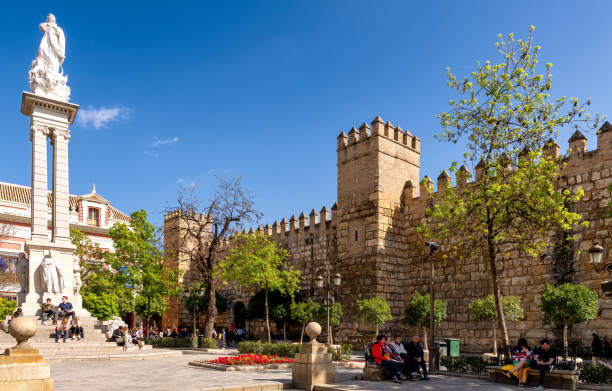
(22, 272)
(51, 276)
(47, 76)
(76, 268)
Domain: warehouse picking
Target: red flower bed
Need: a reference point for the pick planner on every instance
(251, 359)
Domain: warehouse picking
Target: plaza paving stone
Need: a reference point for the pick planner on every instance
(174, 374)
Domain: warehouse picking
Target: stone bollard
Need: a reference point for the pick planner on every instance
(313, 365)
(22, 367)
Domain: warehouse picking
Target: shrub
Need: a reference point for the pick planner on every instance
(171, 342)
(210, 343)
(6, 307)
(343, 353)
(103, 306)
(596, 374)
(268, 348)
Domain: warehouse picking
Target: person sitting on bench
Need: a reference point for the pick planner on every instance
(65, 309)
(416, 357)
(382, 358)
(543, 359)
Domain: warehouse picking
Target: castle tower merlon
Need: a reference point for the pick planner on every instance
(462, 176)
(293, 223)
(325, 215)
(444, 179)
(577, 144)
(314, 218)
(378, 126)
(551, 149)
(389, 129)
(604, 137)
(364, 130)
(409, 192)
(275, 228)
(416, 144)
(353, 136)
(268, 230)
(398, 135)
(303, 220)
(283, 226)
(342, 140)
(426, 187)
(251, 231)
(479, 169)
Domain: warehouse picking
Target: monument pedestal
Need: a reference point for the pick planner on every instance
(24, 370)
(313, 365)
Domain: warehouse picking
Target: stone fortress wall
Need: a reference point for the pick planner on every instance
(369, 239)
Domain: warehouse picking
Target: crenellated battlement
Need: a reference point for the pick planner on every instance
(378, 129)
(313, 222)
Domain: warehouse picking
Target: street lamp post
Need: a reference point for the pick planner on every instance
(432, 248)
(328, 302)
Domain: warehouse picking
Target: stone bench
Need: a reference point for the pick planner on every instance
(560, 379)
(375, 372)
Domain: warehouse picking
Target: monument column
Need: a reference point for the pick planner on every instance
(61, 217)
(38, 136)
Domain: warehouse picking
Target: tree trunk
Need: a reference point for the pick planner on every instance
(495, 338)
(284, 331)
(267, 317)
(146, 330)
(302, 335)
(425, 343)
(331, 335)
(211, 309)
(565, 339)
(496, 287)
(376, 332)
(431, 309)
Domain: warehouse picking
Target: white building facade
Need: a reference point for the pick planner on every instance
(91, 214)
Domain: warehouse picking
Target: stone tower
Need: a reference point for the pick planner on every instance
(377, 166)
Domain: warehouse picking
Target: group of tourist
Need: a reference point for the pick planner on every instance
(230, 337)
(129, 339)
(403, 361)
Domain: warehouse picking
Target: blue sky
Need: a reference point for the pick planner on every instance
(260, 89)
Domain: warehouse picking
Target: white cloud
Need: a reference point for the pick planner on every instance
(101, 116)
(159, 142)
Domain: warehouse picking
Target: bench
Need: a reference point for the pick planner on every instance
(561, 379)
(371, 370)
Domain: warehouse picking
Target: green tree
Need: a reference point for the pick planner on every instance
(281, 313)
(417, 313)
(506, 118)
(139, 258)
(568, 304)
(375, 311)
(485, 310)
(304, 312)
(7, 307)
(335, 316)
(257, 262)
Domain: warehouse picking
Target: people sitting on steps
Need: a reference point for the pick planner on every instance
(76, 328)
(118, 337)
(62, 330)
(48, 311)
(65, 309)
(384, 359)
(416, 358)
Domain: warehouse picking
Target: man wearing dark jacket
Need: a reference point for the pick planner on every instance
(416, 358)
(597, 349)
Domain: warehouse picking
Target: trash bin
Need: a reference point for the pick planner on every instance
(452, 347)
(443, 348)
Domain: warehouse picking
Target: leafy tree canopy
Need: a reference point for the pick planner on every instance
(375, 311)
(417, 312)
(485, 309)
(568, 304)
(304, 311)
